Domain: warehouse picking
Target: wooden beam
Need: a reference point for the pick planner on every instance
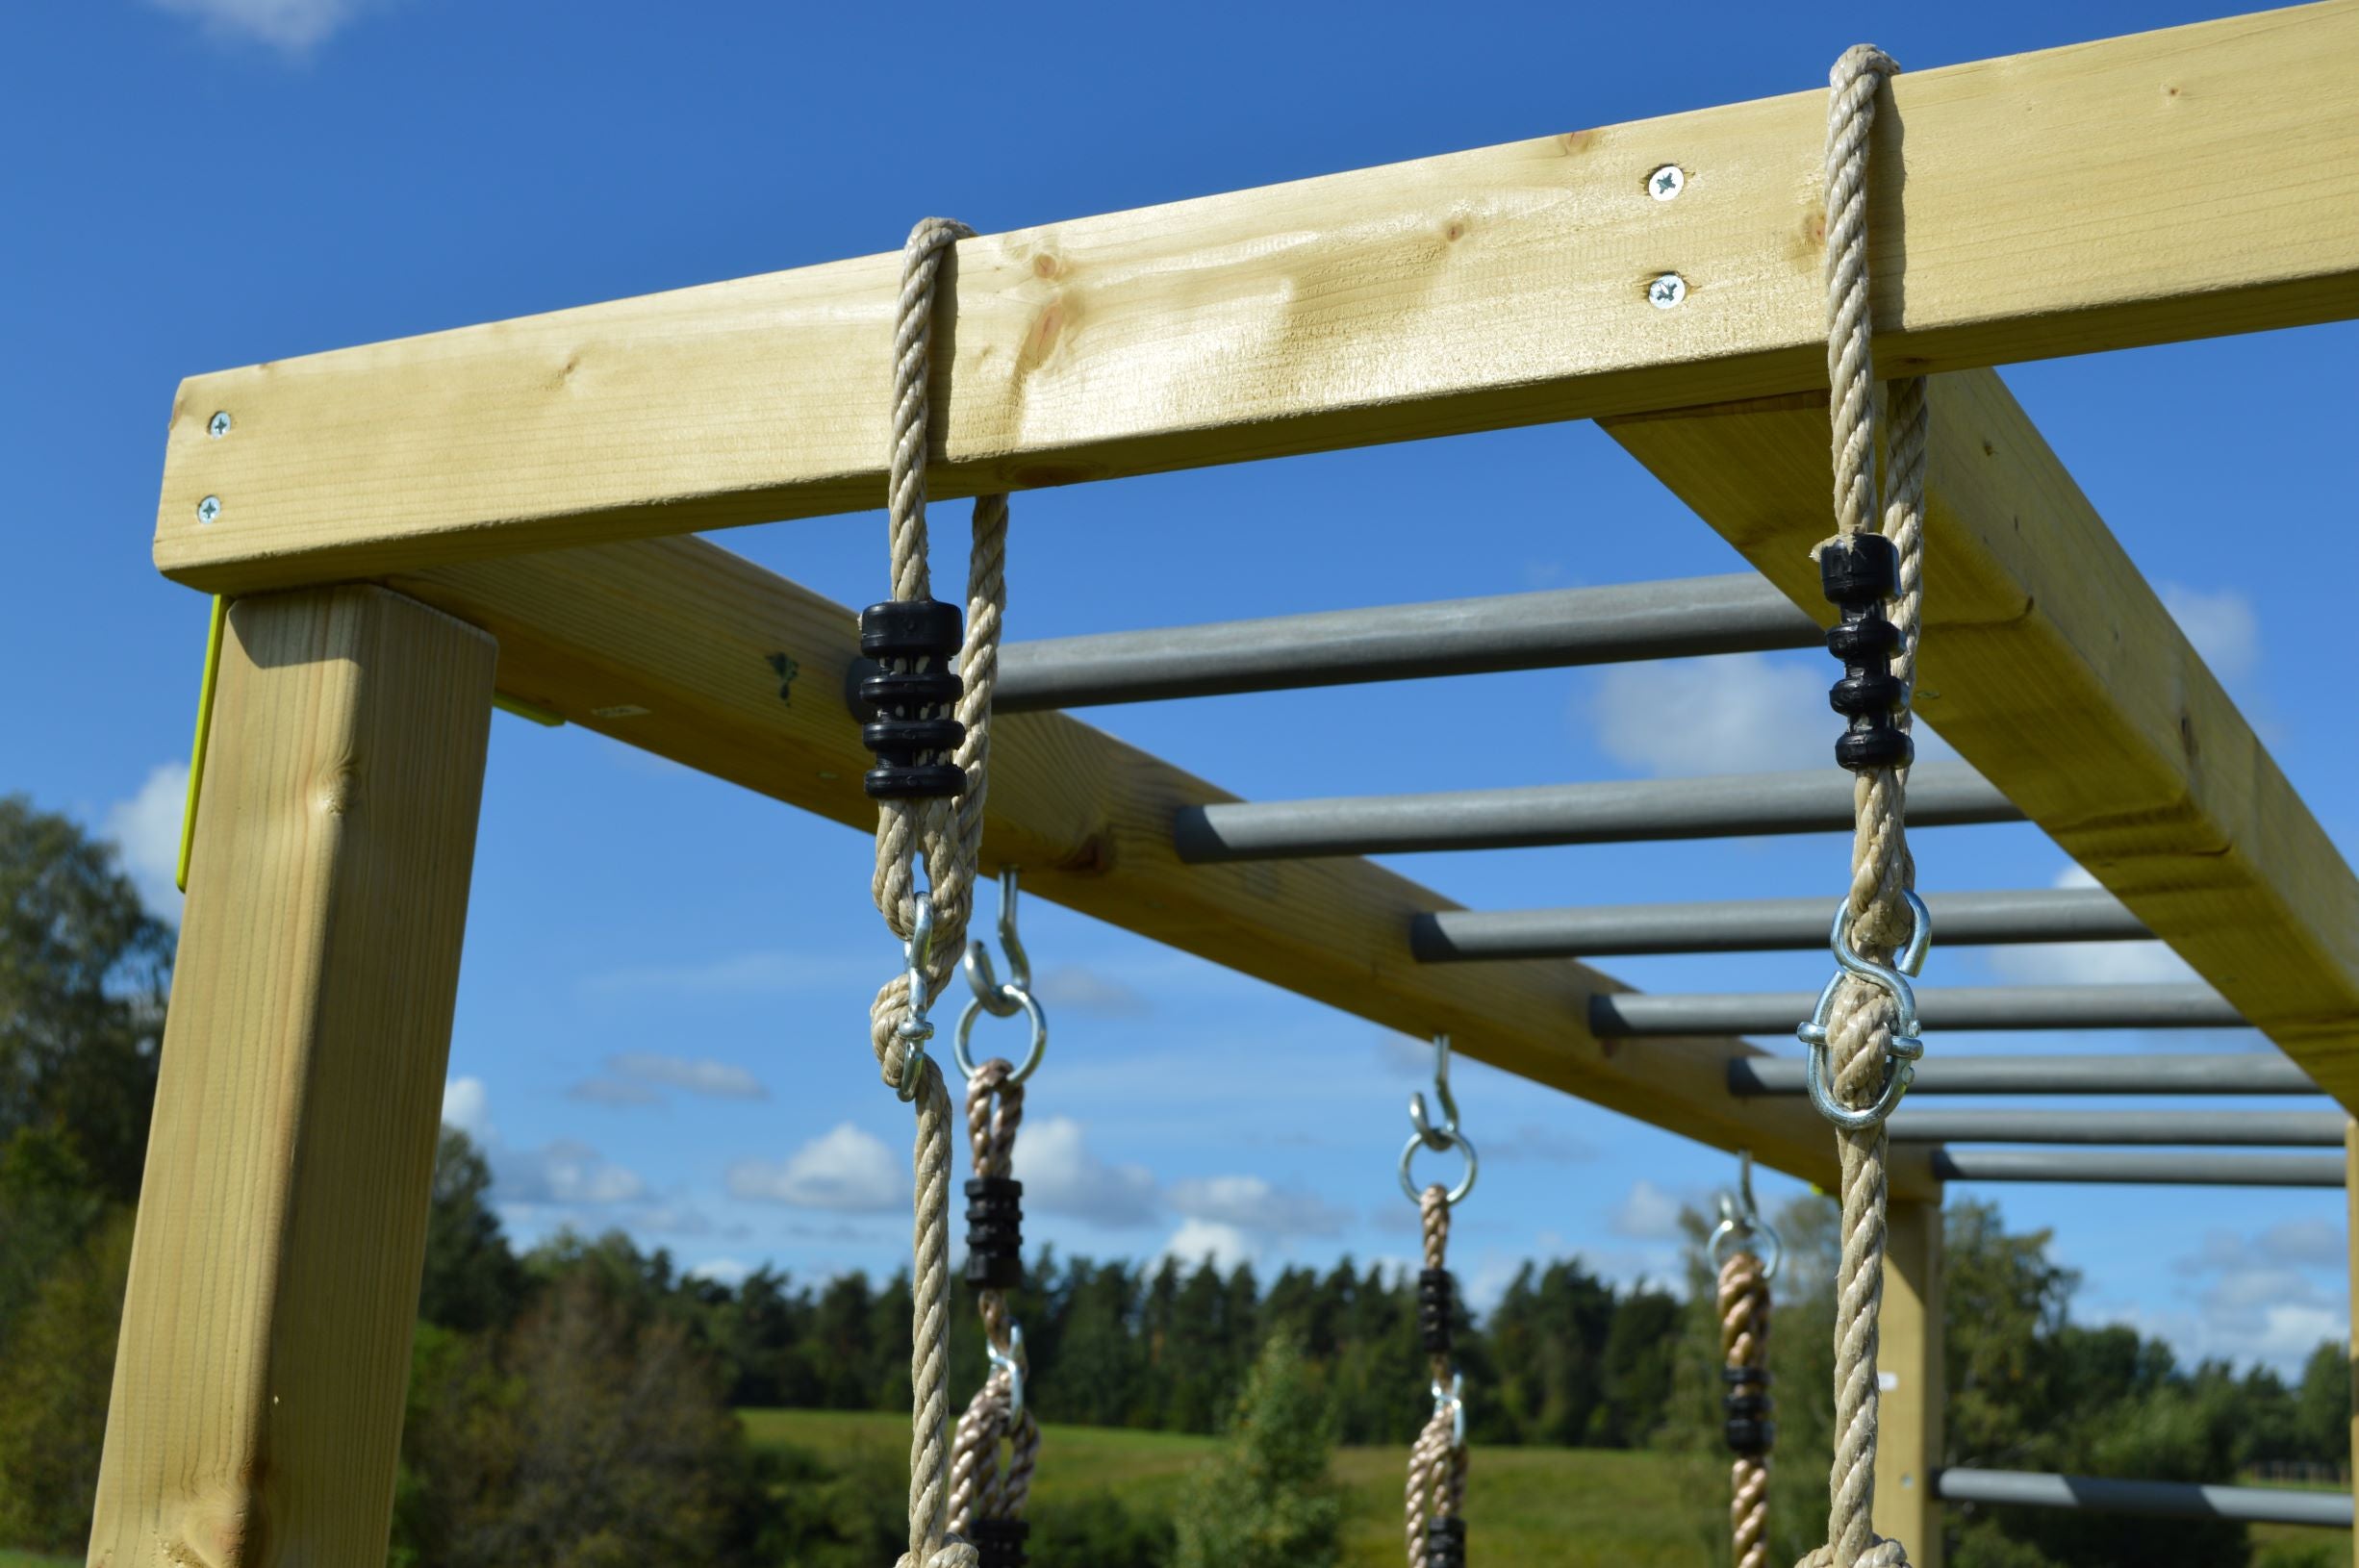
(2179, 184)
(2050, 664)
(265, 1342)
(2350, 1243)
(684, 649)
(1914, 1402)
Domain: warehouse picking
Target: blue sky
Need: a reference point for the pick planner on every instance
(662, 1013)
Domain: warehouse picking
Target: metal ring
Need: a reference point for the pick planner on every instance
(1455, 1195)
(1744, 1232)
(1025, 1003)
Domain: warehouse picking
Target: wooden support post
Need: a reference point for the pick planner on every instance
(265, 1342)
(1909, 1445)
(2350, 1188)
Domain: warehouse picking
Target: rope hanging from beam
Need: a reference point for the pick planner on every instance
(927, 810)
(1863, 1034)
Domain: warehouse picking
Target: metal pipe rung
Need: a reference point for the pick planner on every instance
(2229, 1072)
(2163, 1498)
(1631, 1014)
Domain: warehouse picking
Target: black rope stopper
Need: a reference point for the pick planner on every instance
(999, 1543)
(1750, 1432)
(909, 711)
(1445, 1543)
(1857, 574)
(995, 1232)
(1434, 1313)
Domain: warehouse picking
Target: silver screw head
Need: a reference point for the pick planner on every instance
(1666, 182)
(209, 509)
(218, 425)
(1666, 292)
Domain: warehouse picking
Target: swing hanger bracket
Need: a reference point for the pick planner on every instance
(1904, 1046)
(1741, 1225)
(1440, 1136)
(1002, 998)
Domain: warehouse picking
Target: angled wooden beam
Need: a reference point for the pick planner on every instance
(2171, 184)
(265, 1342)
(684, 649)
(2051, 665)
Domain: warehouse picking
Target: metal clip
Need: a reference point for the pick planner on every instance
(1903, 1048)
(1453, 1399)
(915, 1031)
(1001, 1000)
(1741, 1225)
(1441, 1136)
(1011, 1363)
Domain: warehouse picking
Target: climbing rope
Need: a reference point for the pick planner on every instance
(987, 1498)
(1745, 1266)
(1863, 1036)
(1436, 1493)
(930, 731)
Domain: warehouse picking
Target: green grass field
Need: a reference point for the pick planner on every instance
(1576, 1508)
(28, 1560)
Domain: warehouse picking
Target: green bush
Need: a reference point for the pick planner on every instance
(1265, 1501)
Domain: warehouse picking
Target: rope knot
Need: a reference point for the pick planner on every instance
(1879, 1553)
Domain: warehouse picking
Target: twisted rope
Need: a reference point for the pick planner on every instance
(980, 1487)
(1744, 1342)
(950, 837)
(1860, 1024)
(1436, 1461)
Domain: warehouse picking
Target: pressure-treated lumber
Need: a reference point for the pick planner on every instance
(2052, 667)
(265, 1341)
(686, 650)
(2180, 183)
(1913, 1407)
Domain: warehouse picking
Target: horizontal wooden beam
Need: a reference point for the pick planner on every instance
(684, 649)
(2171, 184)
(2051, 665)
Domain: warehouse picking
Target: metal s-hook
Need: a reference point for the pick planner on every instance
(1440, 1136)
(997, 999)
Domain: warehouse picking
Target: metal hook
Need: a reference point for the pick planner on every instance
(1442, 1137)
(1011, 1363)
(1741, 1224)
(997, 999)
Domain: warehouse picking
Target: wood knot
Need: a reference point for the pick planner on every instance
(336, 789)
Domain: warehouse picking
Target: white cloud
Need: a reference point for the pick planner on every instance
(1198, 1240)
(1093, 992)
(1646, 1213)
(726, 1271)
(2221, 625)
(147, 830)
(718, 1079)
(745, 973)
(2089, 963)
(466, 1106)
(1734, 713)
(847, 1170)
(1248, 1203)
(294, 27)
(610, 1092)
(565, 1172)
(1541, 1144)
(2300, 1244)
(1061, 1176)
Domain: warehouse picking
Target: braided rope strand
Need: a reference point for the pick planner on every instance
(1744, 1342)
(1436, 1461)
(980, 1487)
(950, 841)
(1860, 1021)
